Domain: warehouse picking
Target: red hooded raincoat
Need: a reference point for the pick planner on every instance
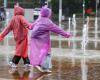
(19, 26)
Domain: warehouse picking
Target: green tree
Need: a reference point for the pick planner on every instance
(68, 6)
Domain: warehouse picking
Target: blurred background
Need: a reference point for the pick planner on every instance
(69, 7)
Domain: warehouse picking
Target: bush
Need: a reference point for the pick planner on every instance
(69, 6)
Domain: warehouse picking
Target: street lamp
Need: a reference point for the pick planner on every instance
(83, 11)
(5, 3)
(60, 12)
(60, 19)
(97, 2)
(48, 3)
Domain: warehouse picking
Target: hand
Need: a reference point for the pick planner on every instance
(30, 27)
(1, 38)
(68, 35)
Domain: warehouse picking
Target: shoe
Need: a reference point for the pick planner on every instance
(48, 71)
(39, 68)
(27, 67)
(13, 65)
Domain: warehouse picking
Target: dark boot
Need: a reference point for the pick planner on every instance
(27, 65)
(16, 59)
(26, 60)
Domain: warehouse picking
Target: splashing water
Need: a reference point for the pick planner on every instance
(96, 32)
(74, 35)
(84, 38)
(6, 40)
(69, 29)
(84, 68)
(74, 30)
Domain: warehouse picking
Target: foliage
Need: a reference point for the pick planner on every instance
(68, 6)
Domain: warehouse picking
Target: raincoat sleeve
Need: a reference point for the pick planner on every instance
(25, 22)
(33, 24)
(6, 30)
(54, 28)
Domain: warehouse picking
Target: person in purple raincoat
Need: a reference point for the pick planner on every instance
(40, 42)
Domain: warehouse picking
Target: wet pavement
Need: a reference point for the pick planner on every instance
(64, 68)
(69, 62)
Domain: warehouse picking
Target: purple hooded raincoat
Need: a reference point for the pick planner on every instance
(40, 43)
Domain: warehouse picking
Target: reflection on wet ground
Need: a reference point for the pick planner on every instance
(63, 69)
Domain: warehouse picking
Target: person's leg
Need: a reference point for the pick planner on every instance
(15, 61)
(27, 65)
(26, 60)
(24, 54)
(47, 64)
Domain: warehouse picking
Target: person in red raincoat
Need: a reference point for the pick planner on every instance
(18, 25)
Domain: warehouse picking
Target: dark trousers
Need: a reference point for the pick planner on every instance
(16, 59)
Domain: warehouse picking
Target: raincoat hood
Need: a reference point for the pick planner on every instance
(18, 10)
(45, 12)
